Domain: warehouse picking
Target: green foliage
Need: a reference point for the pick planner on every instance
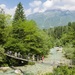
(65, 34)
(8, 20)
(27, 38)
(31, 63)
(64, 70)
(2, 21)
(2, 55)
(2, 26)
(69, 52)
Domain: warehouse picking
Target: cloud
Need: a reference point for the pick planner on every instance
(67, 7)
(42, 5)
(71, 1)
(10, 11)
(35, 3)
(2, 6)
(37, 9)
(65, 4)
(48, 4)
(39, 6)
(28, 11)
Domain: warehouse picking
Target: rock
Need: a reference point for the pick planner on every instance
(18, 72)
(4, 69)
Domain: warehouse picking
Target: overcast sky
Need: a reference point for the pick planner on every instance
(33, 6)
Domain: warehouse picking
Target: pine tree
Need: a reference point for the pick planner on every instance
(19, 13)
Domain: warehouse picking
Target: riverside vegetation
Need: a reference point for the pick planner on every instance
(64, 36)
(24, 36)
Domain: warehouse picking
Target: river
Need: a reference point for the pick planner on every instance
(54, 58)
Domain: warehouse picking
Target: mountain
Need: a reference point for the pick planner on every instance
(53, 18)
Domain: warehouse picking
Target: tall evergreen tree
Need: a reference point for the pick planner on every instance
(19, 13)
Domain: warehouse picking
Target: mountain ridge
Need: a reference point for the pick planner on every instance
(52, 18)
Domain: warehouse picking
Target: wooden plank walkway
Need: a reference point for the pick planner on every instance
(18, 58)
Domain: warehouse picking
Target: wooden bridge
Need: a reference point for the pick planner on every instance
(19, 57)
(31, 60)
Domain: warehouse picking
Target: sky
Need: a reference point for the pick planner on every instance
(34, 6)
